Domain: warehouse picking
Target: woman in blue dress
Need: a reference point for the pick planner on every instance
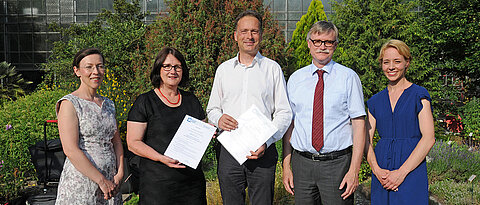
(402, 115)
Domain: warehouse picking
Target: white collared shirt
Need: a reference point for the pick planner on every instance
(236, 87)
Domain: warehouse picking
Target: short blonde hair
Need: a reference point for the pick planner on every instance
(401, 47)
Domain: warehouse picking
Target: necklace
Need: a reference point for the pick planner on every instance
(178, 101)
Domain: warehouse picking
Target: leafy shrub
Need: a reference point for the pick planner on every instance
(452, 161)
(450, 44)
(133, 200)
(24, 118)
(471, 118)
(11, 83)
(365, 171)
(365, 25)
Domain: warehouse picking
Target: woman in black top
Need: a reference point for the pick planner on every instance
(152, 122)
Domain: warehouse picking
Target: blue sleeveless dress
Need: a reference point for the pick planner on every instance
(399, 134)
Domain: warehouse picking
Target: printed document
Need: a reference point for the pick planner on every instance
(190, 141)
(254, 129)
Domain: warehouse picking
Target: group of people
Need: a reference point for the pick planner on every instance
(320, 115)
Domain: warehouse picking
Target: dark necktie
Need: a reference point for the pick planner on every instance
(317, 120)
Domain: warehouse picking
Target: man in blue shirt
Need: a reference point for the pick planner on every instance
(323, 147)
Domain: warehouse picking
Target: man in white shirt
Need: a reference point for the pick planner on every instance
(245, 80)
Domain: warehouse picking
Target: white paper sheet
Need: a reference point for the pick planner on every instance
(190, 141)
(254, 129)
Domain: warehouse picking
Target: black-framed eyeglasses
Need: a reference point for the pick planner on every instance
(319, 43)
(100, 67)
(168, 67)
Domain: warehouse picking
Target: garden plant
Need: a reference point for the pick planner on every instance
(11, 83)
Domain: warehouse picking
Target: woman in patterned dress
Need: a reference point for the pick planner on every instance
(93, 170)
(402, 115)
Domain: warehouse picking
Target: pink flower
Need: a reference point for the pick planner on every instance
(9, 126)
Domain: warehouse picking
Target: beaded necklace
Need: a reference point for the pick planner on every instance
(178, 101)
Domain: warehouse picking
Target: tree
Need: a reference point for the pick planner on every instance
(451, 42)
(364, 25)
(299, 44)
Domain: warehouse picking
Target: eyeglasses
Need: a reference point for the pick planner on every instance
(319, 43)
(100, 67)
(168, 67)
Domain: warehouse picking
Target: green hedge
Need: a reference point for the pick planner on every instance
(471, 118)
(25, 116)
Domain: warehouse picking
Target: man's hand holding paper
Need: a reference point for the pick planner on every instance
(258, 153)
(227, 123)
(254, 129)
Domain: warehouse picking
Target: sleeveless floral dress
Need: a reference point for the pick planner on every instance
(96, 126)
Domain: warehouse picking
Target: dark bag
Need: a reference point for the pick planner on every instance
(48, 160)
(47, 198)
(132, 172)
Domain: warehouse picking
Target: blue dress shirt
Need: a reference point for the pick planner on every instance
(342, 101)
